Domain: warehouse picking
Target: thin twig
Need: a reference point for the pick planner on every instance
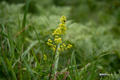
(21, 31)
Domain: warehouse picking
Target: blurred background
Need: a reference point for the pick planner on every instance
(93, 27)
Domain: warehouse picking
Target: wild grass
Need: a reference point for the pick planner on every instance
(23, 43)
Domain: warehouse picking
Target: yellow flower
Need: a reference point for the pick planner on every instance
(50, 44)
(63, 19)
(61, 30)
(69, 46)
(61, 46)
(62, 25)
(58, 40)
(54, 48)
(56, 36)
(45, 57)
(57, 32)
(64, 45)
(49, 40)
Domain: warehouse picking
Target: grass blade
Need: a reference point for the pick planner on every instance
(26, 51)
(28, 68)
(24, 21)
(35, 58)
(38, 40)
(5, 66)
(11, 70)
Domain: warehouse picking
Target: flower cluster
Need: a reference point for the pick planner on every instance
(64, 47)
(61, 30)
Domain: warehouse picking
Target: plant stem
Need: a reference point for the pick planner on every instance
(52, 64)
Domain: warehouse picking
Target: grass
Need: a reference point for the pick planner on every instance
(23, 42)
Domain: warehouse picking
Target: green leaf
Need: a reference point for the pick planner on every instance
(26, 51)
(11, 70)
(28, 68)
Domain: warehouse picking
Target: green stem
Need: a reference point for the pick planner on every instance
(54, 66)
(57, 59)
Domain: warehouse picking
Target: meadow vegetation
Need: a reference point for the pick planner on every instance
(59, 39)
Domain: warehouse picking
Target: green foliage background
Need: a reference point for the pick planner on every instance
(93, 26)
